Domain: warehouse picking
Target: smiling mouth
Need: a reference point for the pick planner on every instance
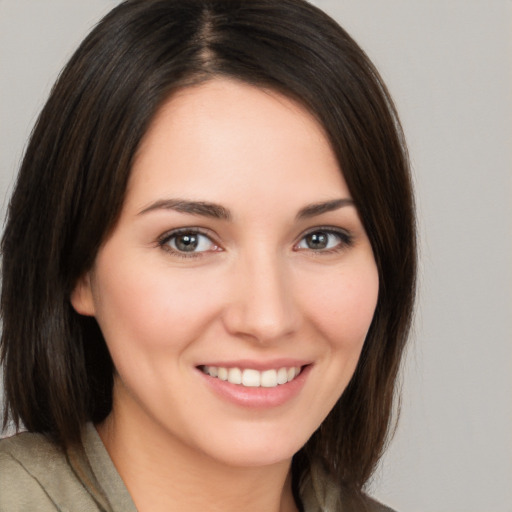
(253, 378)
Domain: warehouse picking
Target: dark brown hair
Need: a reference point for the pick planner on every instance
(72, 182)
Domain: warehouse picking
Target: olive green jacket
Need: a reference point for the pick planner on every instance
(36, 476)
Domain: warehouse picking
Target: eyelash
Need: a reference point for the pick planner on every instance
(164, 240)
(345, 240)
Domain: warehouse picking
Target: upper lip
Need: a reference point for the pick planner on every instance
(259, 365)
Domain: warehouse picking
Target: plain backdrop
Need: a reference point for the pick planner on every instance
(448, 64)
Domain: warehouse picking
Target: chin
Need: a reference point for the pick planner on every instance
(255, 450)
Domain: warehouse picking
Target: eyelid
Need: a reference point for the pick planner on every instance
(163, 240)
(345, 236)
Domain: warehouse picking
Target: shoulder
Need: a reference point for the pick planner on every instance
(22, 457)
(35, 475)
(320, 492)
(27, 444)
(374, 506)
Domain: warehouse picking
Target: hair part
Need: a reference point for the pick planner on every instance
(72, 183)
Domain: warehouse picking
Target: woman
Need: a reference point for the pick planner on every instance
(208, 268)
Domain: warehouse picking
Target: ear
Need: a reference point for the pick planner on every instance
(82, 298)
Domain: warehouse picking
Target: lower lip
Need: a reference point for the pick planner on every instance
(257, 397)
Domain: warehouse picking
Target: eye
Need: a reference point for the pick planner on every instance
(187, 242)
(328, 240)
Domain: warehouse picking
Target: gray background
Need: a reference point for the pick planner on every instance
(448, 65)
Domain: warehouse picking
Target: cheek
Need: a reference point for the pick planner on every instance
(152, 308)
(343, 308)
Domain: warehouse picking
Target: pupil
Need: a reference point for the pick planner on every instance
(317, 241)
(186, 243)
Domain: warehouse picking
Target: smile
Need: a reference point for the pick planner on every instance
(253, 378)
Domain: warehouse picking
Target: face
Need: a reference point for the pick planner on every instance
(236, 291)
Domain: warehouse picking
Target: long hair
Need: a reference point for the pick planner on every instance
(72, 183)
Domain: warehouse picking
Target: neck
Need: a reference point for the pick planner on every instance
(163, 474)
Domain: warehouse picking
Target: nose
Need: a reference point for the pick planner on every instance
(262, 305)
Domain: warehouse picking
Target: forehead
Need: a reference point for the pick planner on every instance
(224, 135)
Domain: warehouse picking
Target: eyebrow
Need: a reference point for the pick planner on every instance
(315, 209)
(216, 211)
(202, 208)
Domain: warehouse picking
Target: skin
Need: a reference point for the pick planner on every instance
(254, 290)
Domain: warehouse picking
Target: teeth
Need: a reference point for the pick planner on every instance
(253, 378)
(268, 379)
(282, 376)
(235, 376)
